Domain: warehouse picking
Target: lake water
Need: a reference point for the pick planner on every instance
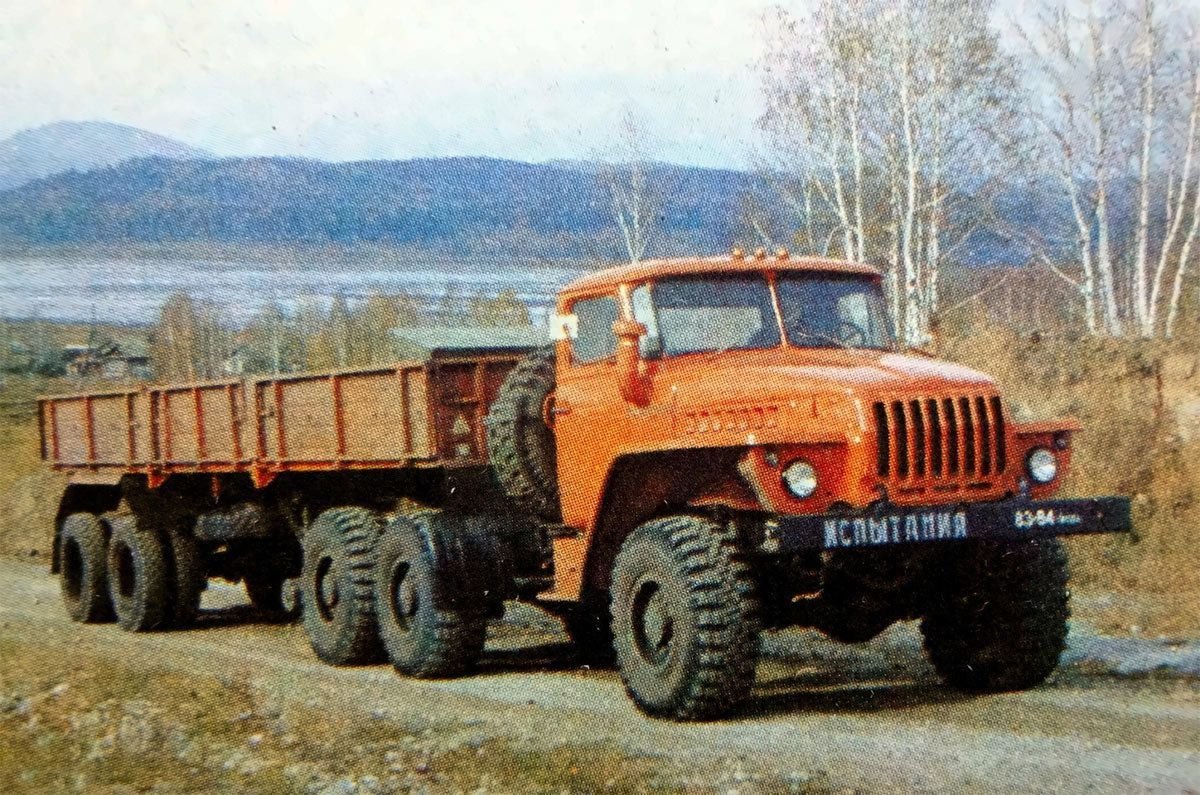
(132, 291)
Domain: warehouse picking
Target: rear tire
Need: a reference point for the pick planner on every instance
(422, 638)
(138, 575)
(190, 578)
(520, 444)
(685, 618)
(1001, 621)
(337, 583)
(83, 558)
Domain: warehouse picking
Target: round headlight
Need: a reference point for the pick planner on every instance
(1042, 465)
(800, 479)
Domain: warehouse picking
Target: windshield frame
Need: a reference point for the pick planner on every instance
(771, 277)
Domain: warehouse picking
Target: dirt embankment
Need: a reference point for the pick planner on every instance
(1139, 403)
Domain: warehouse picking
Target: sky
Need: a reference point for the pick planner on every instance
(377, 79)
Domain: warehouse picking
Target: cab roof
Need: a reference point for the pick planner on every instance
(727, 263)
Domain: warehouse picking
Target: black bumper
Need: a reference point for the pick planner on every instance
(895, 526)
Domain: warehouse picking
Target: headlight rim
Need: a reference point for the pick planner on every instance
(811, 476)
(1032, 468)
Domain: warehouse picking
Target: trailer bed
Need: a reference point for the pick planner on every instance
(412, 414)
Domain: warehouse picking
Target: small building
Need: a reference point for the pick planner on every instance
(110, 359)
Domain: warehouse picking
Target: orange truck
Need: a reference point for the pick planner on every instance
(707, 449)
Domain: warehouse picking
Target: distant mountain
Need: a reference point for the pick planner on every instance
(80, 146)
(468, 206)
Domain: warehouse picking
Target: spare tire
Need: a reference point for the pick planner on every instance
(520, 443)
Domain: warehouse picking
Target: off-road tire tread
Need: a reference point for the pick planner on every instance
(1002, 622)
(152, 610)
(94, 605)
(722, 590)
(189, 577)
(452, 641)
(355, 531)
(528, 475)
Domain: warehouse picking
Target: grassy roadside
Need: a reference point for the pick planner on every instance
(77, 722)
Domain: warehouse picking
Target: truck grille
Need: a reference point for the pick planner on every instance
(958, 437)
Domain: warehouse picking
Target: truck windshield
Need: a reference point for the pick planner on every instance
(711, 313)
(695, 314)
(822, 310)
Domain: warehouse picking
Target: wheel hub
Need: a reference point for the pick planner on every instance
(653, 625)
(405, 599)
(327, 589)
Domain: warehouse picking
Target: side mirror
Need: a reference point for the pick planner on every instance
(632, 379)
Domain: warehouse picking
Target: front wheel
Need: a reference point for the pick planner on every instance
(999, 622)
(685, 618)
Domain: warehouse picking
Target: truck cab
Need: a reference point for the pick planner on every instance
(739, 442)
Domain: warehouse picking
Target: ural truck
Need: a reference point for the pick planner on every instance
(705, 449)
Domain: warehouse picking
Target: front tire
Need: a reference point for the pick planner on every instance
(83, 556)
(685, 618)
(1000, 623)
(336, 586)
(139, 577)
(423, 638)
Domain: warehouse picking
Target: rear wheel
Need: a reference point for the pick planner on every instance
(190, 578)
(82, 555)
(1000, 622)
(685, 618)
(138, 575)
(336, 586)
(422, 637)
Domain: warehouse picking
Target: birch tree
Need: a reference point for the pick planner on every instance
(633, 188)
(1120, 109)
(887, 111)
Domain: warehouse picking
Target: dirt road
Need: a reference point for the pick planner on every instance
(869, 718)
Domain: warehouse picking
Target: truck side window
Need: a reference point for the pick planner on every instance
(595, 339)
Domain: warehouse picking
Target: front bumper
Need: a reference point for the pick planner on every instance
(1011, 519)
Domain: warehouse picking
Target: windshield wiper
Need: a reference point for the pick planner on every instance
(814, 336)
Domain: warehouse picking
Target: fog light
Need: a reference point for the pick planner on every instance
(800, 479)
(1042, 465)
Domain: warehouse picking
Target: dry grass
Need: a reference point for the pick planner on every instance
(72, 720)
(1139, 403)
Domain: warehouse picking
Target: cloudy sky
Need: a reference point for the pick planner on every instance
(382, 78)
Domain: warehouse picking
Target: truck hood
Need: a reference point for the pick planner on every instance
(787, 374)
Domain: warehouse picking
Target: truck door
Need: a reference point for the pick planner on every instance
(590, 416)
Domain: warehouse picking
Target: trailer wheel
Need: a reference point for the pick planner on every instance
(685, 618)
(1001, 621)
(190, 578)
(336, 585)
(520, 443)
(138, 575)
(424, 638)
(83, 562)
(267, 594)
